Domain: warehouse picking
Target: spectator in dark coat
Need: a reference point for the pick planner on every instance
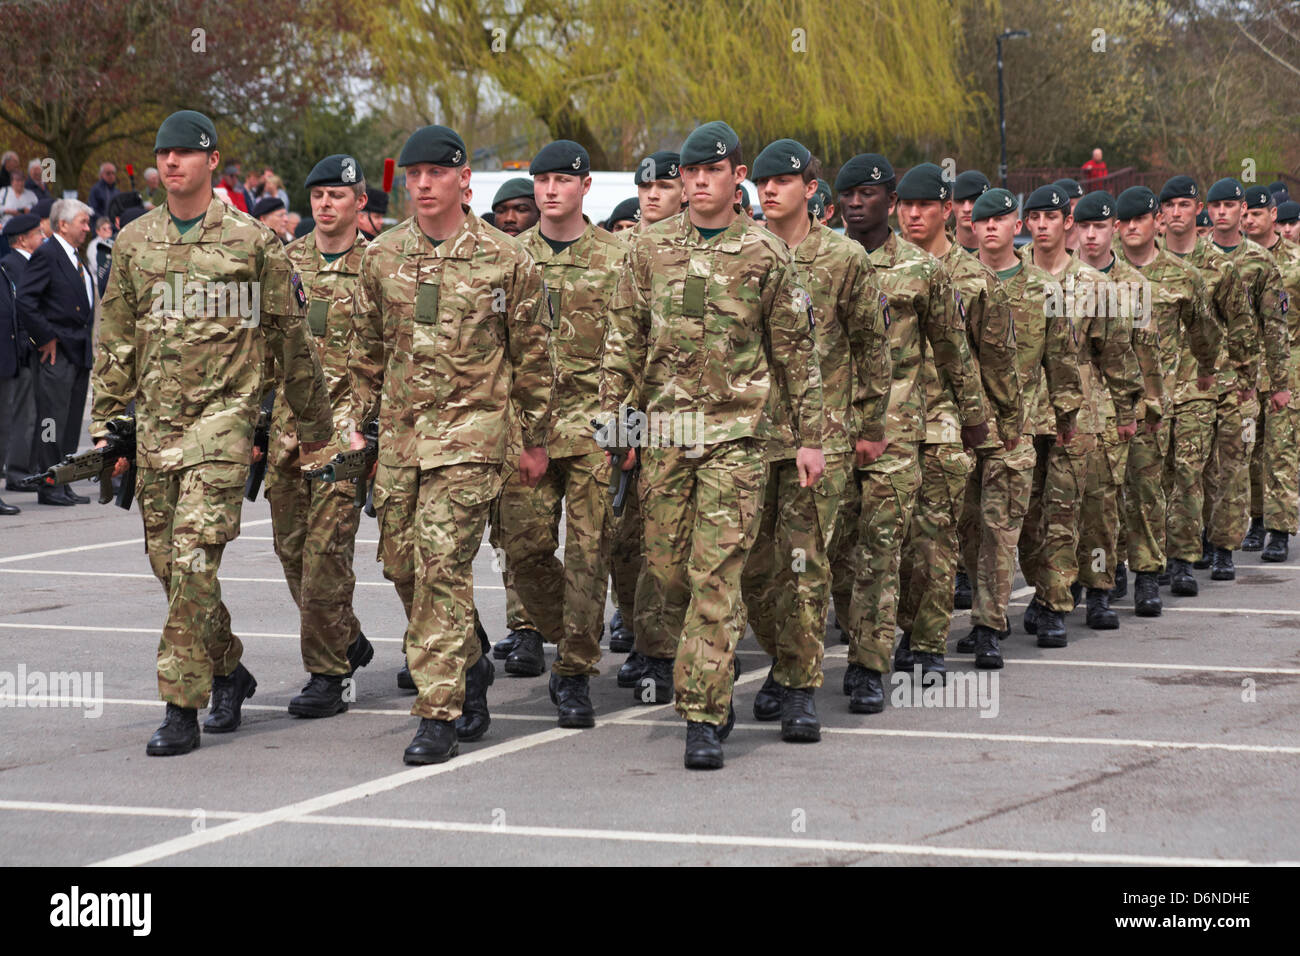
(104, 190)
(17, 400)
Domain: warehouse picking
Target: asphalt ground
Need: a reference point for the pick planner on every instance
(1172, 741)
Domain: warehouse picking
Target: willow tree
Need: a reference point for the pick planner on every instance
(618, 77)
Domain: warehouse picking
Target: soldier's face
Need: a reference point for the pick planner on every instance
(516, 215)
(1048, 228)
(922, 219)
(711, 187)
(997, 233)
(1138, 233)
(660, 198)
(559, 195)
(1291, 230)
(1180, 215)
(962, 207)
(436, 190)
(622, 225)
(1225, 214)
(1258, 223)
(785, 197)
(866, 207)
(335, 209)
(186, 171)
(1095, 238)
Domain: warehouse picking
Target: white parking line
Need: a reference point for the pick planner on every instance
(96, 547)
(43, 806)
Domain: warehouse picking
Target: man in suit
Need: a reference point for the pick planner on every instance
(17, 406)
(56, 306)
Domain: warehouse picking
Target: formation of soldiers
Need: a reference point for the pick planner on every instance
(872, 421)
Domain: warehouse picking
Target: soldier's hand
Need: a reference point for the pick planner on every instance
(258, 455)
(1126, 432)
(811, 464)
(1153, 428)
(358, 442)
(532, 465)
(629, 460)
(1205, 382)
(1245, 394)
(1066, 436)
(121, 466)
(1281, 400)
(868, 451)
(972, 436)
(1011, 443)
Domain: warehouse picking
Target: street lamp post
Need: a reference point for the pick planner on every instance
(1002, 109)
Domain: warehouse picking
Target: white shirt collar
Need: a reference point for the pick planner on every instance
(67, 247)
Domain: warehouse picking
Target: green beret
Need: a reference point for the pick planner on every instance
(434, 144)
(1179, 187)
(1133, 202)
(663, 164)
(993, 202)
(521, 187)
(1095, 207)
(1258, 197)
(21, 224)
(924, 181)
(1225, 189)
(820, 200)
(562, 156)
(709, 143)
(376, 200)
(1203, 220)
(1071, 187)
(1288, 211)
(1048, 197)
(865, 169)
(265, 206)
(339, 169)
(627, 209)
(785, 157)
(186, 129)
(823, 191)
(970, 185)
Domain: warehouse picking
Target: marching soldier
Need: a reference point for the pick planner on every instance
(514, 206)
(1288, 220)
(967, 188)
(176, 340)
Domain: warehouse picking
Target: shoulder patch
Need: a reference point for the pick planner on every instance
(1284, 299)
(884, 308)
(961, 306)
(300, 294)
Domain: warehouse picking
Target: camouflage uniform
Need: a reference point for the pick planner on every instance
(921, 308)
(786, 581)
(705, 328)
(929, 558)
(1189, 344)
(450, 343)
(314, 524)
(1111, 383)
(568, 600)
(1276, 492)
(997, 494)
(195, 376)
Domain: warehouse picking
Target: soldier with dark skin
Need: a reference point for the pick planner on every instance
(514, 206)
(171, 342)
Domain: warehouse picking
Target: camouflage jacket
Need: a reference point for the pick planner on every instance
(1144, 337)
(1287, 256)
(920, 304)
(1272, 298)
(1047, 356)
(581, 281)
(983, 307)
(699, 329)
(329, 287)
(852, 345)
(450, 343)
(1238, 360)
(186, 324)
(1190, 336)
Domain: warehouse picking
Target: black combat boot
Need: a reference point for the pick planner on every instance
(179, 733)
(961, 592)
(988, 656)
(571, 698)
(1276, 549)
(903, 657)
(321, 697)
(475, 718)
(767, 702)
(1032, 613)
(1254, 540)
(621, 636)
(966, 645)
(527, 659)
(404, 679)
(484, 645)
(1101, 617)
(799, 723)
(1051, 628)
(1165, 576)
(655, 685)
(360, 653)
(868, 696)
(1076, 594)
(1146, 594)
(631, 670)
(1222, 568)
(1207, 553)
(703, 746)
(1120, 590)
(434, 742)
(502, 648)
(1182, 582)
(931, 664)
(228, 696)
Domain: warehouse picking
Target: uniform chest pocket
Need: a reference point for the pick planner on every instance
(579, 328)
(317, 313)
(693, 295)
(426, 303)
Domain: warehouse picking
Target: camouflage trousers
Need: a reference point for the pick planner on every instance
(787, 576)
(1185, 463)
(1049, 542)
(625, 556)
(701, 517)
(1225, 511)
(516, 615)
(430, 528)
(566, 599)
(314, 526)
(887, 491)
(1144, 499)
(1099, 511)
(189, 515)
(997, 499)
(928, 567)
(1279, 470)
